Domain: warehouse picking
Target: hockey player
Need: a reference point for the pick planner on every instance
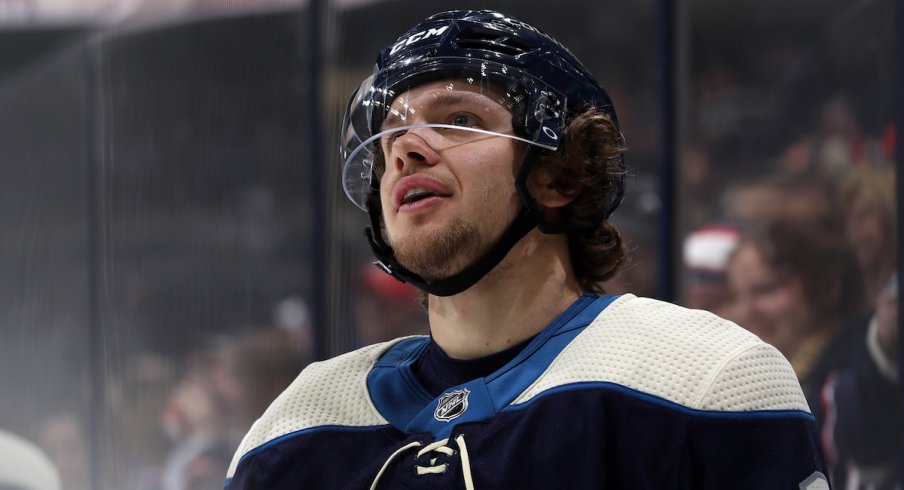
(489, 161)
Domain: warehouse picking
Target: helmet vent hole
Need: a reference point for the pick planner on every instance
(494, 41)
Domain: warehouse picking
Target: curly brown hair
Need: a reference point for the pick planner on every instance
(588, 159)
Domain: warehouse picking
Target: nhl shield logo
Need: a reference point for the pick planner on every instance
(451, 405)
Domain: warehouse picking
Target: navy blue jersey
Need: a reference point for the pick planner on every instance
(617, 392)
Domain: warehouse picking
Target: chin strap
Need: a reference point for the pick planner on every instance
(531, 216)
(526, 220)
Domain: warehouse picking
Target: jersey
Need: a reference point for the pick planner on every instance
(617, 392)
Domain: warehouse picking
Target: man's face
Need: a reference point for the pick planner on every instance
(448, 194)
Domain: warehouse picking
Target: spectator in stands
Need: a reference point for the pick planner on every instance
(868, 199)
(136, 394)
(706, 254)
(227, 387)
(789, 197)
(249, 371)
(194, 420)
(62, 436)
(862, 435)
(797, 286)
(386, 308)
(862, 432)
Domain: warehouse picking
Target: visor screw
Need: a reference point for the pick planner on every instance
(547, 106)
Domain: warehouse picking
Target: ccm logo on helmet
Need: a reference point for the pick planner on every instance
(419, 36)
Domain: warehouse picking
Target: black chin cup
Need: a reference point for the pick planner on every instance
(525, 221)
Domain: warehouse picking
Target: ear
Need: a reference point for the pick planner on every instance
(550, 188)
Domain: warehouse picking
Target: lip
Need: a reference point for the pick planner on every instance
(422, 181)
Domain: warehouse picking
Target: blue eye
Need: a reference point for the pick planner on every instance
(463, 120)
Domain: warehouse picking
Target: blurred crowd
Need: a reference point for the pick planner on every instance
(174, 424)
(806, 259)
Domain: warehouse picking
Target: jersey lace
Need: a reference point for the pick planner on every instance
(430, 467)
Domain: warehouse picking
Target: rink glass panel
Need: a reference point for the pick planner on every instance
(158, 198)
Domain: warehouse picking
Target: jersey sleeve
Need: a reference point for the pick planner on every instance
(757, 378)
(331, 394)
(757, 430)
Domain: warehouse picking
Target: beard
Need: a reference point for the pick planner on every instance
(440, 253)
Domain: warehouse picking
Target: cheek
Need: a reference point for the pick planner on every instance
(384, 191)
(787, 307)
(857, 228)
(386, 200)
(498, 160)
(871, 229)
(491, 180)
(775, 305)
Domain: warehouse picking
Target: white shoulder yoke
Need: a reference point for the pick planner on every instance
(327, 393)
(689, 357)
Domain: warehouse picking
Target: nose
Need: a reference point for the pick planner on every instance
(411, 150)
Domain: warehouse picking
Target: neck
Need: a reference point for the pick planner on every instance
(515, 301)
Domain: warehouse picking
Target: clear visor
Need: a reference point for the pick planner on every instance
(456, 108)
